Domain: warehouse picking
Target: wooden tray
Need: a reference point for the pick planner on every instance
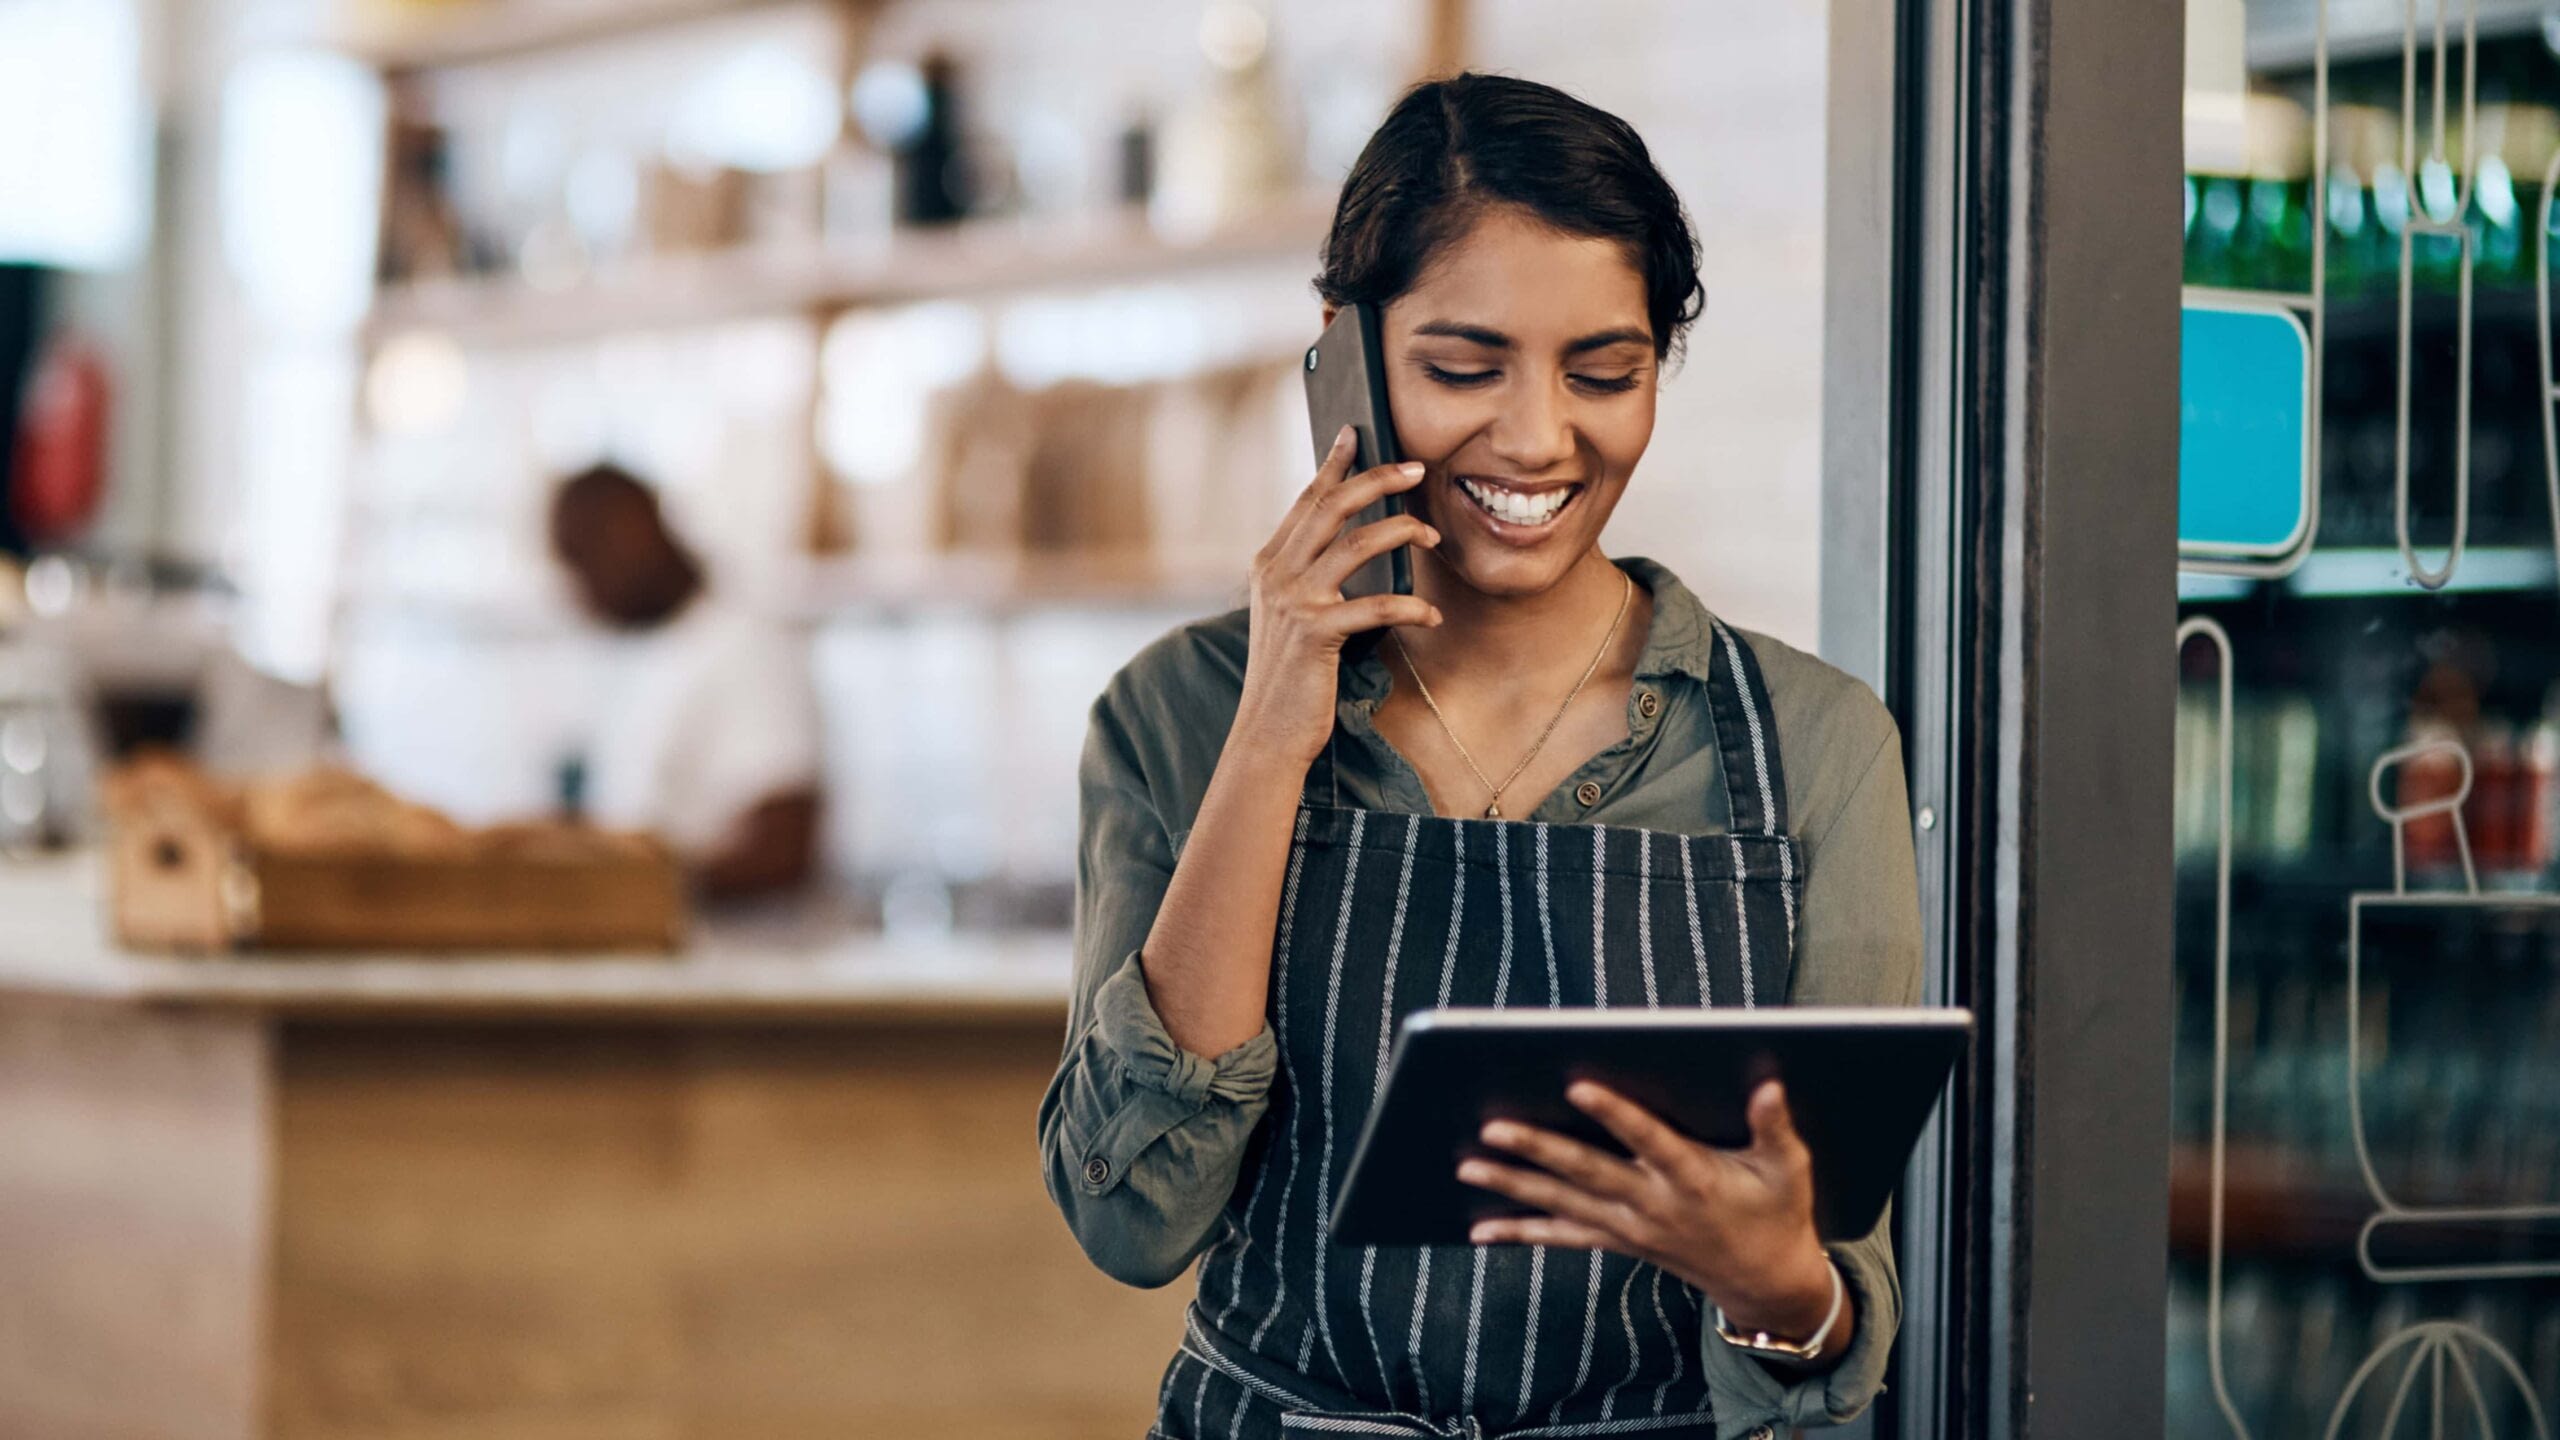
(180, 884)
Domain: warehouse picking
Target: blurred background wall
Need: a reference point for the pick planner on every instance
(310, 406)
(960, 339)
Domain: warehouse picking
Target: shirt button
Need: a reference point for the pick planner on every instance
(1588, 792)
(1096, 1170)
(1648, 704)
(1763, 1433)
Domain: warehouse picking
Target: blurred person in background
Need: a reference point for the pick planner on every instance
(712, 741)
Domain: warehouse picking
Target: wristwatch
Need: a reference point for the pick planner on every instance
(1762, 1343)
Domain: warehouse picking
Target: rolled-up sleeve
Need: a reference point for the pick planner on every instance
(1860, 945)
(1141, 1140)
(1748, 1394)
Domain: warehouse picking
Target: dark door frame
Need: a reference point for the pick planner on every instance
(2001, 361)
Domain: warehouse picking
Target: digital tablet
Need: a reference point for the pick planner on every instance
(1859, 1082)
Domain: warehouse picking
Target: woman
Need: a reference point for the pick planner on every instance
(1294, 834)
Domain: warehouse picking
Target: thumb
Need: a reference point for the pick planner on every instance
(1773, 1125)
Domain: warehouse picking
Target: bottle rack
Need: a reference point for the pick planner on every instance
(2366, 1182)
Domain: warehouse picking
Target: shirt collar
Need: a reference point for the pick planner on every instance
(1680, 642)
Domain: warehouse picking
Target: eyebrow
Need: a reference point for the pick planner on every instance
(1493, 339)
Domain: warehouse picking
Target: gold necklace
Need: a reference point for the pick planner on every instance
(1493, 806)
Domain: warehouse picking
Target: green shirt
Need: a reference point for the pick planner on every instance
(1143, 1141)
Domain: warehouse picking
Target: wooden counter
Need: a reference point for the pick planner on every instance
(785, 1184)
(53, 940)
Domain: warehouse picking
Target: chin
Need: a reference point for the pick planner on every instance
(1506, 573)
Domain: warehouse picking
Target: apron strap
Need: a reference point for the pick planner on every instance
(1738, 703)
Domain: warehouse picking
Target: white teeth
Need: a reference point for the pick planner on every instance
(1517, 508)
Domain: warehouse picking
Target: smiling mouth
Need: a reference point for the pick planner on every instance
(1529, 511)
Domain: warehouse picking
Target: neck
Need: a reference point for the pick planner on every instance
(1525, 645)
(681, 586)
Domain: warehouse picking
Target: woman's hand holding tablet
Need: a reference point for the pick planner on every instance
(1724, 1146)
(1735, 1223)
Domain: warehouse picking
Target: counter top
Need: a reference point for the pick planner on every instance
(786, 967)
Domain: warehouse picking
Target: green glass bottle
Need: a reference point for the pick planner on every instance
(2363, 256)
(2508, 195)
(2436, 261)
(2219, 208)
(2275, 237)
(2497, 234)
(2348, 258)
(2271, 247)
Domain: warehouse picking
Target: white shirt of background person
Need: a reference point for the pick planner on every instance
(717, 711)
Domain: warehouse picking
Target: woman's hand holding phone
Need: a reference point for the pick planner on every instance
(1208, 955)
(1300, 618)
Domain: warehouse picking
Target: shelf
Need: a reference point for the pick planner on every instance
(470, 34)
(2330, 574)
(2282, 32)
(982, 257)
(2276, 1207)
(1009, 582)
(2319, 880)
(863, 586)
(2322, 880)
(2374, 315)
(2270, 1207)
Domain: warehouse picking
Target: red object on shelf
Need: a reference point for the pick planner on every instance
(2431, 775)
(2490, 814)
(59, 475)
(2537, 793)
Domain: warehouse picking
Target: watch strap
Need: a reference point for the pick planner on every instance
(1761, 1342)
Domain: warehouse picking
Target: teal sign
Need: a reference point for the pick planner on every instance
(2244, 430)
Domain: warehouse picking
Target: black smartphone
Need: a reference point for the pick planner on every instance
(1347, 385)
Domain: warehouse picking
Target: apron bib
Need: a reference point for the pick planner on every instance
(1382, 914)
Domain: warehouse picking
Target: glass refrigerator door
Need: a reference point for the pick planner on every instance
(2366, 1189)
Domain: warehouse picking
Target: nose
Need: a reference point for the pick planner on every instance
(1534, 430)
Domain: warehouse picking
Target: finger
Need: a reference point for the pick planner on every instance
(1337, 459)
(1371, 612)
(1636, 1127)
(1585, 1166)
(1329, 473)
(1543, 1230)
(1356, 548)
(1541, 1191)
(1333, 508)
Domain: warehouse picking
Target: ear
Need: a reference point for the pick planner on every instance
(1330, 310)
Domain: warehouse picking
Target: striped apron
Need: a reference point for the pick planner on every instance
(1383, 914)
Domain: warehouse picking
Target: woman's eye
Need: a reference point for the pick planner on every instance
(1595, 384)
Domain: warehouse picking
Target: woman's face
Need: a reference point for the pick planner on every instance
(1521, 372)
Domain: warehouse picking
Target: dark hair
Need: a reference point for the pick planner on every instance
(580, 502)
(1452, 148)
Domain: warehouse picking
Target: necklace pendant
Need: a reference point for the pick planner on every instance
(1493, 811)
